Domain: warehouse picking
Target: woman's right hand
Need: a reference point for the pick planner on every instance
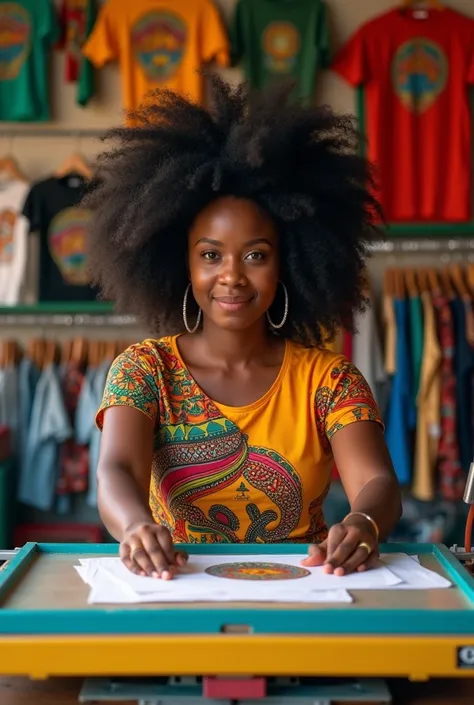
(147, 549)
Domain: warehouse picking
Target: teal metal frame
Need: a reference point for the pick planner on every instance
(199, 620)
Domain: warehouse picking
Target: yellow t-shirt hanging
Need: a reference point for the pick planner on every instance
(159, 43)
(253, 474)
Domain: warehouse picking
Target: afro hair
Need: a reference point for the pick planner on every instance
(300, 164)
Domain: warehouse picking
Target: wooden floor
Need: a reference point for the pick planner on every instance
(18, 691)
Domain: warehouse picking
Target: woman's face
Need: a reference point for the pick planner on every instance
(233, 262)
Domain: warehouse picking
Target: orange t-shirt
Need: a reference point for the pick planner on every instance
(253, 474)
(158, 44)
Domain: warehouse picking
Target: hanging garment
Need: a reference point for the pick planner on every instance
(86, 431)
(367, 355)
(281, 40)
(158, 44)
(390, 335)
(463, 367)
(428, 428)
(416, 341)
(451, 476)
(401, 411)
(416, 74)
(73, 456)
(77, 20)
(49, 427)
(52, 208)
(28, 29)
(28, 376)
(13, 240)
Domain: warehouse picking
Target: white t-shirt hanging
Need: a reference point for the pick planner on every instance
(13, 240)
(367, 354)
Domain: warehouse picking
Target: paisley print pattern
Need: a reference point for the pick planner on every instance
(218, 479)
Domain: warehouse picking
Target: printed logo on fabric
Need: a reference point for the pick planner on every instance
(159, 42)
(15, 39)
(7, 228)
(420, 73)
(281, 43)
(67, 244)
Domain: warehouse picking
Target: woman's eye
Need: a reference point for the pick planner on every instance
(255, 256)
(210, 255)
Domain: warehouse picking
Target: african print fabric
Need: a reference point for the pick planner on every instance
(253, 474)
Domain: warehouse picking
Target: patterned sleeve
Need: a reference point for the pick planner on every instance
(131, 381)
(344, 398)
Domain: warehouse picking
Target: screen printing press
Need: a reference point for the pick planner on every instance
(229, 651)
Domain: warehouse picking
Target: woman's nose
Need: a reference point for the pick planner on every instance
(232, 273)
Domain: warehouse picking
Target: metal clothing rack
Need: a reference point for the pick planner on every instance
(49, 320)
(57, 314)
(45, 132)
(423, 245)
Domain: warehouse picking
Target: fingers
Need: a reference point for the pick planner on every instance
(148, 550)
(317, 555)
(345, 554)
(160, 557)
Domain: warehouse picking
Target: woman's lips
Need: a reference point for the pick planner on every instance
(232, 303)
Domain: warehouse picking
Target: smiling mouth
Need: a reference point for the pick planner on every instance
(232, 303)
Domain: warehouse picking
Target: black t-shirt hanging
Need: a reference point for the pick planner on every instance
(53, 212)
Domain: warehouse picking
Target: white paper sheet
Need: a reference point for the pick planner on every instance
(112, 583)
(413, 575)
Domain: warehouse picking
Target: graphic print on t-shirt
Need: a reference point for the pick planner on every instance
(159, 42)
(76, 28)
(420, 73)
(7, 229)
(15, 39)
(67, 244)
(281, 43)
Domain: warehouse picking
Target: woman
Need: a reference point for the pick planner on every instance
(246, 227)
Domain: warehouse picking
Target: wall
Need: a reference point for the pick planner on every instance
(38, 157)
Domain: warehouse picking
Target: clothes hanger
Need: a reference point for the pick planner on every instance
(399, 280)
(433, 281)
(428, 4)
(94, 353)
(470, 276)
(447, 283)
(74, 164)
(79, 351)
(422, 280)
(50, 352)
(411, 283)
(388, 288)
(110, 350)
(457, 277)
(66, 352)
(9, 166)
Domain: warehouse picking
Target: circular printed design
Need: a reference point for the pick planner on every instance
(281, 44)
(7, 229)
(67, 244)
(15, 39)
(159, 40)
(257, 571)
(419, 73)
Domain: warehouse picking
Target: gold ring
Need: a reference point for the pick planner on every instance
(364, 544)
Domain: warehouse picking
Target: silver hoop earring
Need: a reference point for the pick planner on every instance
(185, 315)
(276, 326)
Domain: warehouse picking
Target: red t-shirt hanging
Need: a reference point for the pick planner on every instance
(416, 68)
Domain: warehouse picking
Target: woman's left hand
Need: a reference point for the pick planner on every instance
(350, 546)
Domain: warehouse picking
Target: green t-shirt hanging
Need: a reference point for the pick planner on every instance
(281, 39)
(28, 30)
